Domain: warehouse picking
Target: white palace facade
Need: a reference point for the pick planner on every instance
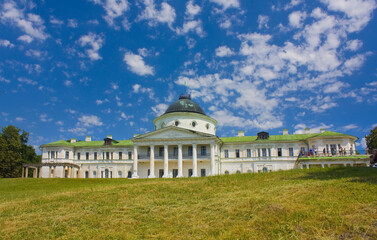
(184, 144)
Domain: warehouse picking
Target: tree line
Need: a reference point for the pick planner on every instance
(14, 151)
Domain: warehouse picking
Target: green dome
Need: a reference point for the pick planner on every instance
(184, 104)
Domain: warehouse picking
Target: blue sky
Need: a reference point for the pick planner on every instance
(75, 68)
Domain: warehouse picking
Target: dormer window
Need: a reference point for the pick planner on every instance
(263, 136)
(108, 141)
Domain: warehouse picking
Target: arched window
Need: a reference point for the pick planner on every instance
(207, 126)
(94, 174)
(238, 172)
(86, 174)
(129, 174)
(265, 169)
(226, 172)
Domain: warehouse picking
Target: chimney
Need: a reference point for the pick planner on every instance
(88, 138)
(241, 133)
(73, 140)
(322, 130)
(285, 131)
(110, 136)
(307, 130)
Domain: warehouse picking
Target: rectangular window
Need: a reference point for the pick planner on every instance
(129, 155)
(226, 153)
(190, 172)
(269, 152)
(95, 156)
(120, 155)
(66, 155)
(264, 152)
(78, 156)
(202, 172)
(149, 172)
(87, 156)
(103, 155)
(190, 151)
(279, 152)
(49, 155)
(248, 151)
(303, 150)
(160, 173)
(237, 153)
(53, 154)
(291, 152)
(175, 151)
(258, 152)
(112, 155)
(161, 152)
(149, 152)
(203, 150)
(107, 155)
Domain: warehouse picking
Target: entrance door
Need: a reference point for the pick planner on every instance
(160, 173)
(175, 173)
(202, 172)
(106, 173)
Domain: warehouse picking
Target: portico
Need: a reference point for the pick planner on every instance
(174, 156)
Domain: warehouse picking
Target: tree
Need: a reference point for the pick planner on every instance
(371, 139)
(14, 151)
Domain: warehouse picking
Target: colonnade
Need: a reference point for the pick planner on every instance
(166, 161)
(37, 171)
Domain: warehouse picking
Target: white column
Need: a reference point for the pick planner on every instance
(194, 161)
(166, 162)
(151, 170)
(213, 171)
(134, 174)
(180, 161)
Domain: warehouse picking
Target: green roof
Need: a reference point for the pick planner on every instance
(289, 137)
(117, 143)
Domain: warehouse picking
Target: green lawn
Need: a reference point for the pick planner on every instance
(330, 203)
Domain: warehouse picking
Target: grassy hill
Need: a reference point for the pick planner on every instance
(333, 203)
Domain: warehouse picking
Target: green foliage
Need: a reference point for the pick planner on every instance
(371, 139)
(14, 151)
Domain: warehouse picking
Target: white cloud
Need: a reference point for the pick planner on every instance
(160, 109)
(6, 43)
(25, 38)
(359, 12)
(192, 9)
(114, 9)
(72, 23)
(27, 81)
(362, 143)
(349, 127)
(94, 41)
(19, 119)
(89, 121)
(36, 53)
(354, 45)
(263, 21)
(99, 102)
(191, 26)
(137, 65)
(31, 24)
(300, 128)
(166, 14)
(60, 123)
(137, 88)
(2, 79)
(68, 83)
(296, 18)
(56, 21)
(44, 118)
(225, 4)
(223, 51)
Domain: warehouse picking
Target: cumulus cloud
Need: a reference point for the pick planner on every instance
(159, 109)
(296, 18)
(27, 81)
(137, 88)
(25, 38)
(263, 21)
(89, 121)
(192, 9)
(44, 118)
(114, 9)
(30, 23)
(6, 43)
(300, 128)
(136, 64)
(94, 41)
(349, 127)
(225, 4)
(223, 51)
(166, 14)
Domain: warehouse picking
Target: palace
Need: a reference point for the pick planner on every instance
(184, 144)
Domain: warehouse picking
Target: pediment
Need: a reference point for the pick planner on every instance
(172, 133)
